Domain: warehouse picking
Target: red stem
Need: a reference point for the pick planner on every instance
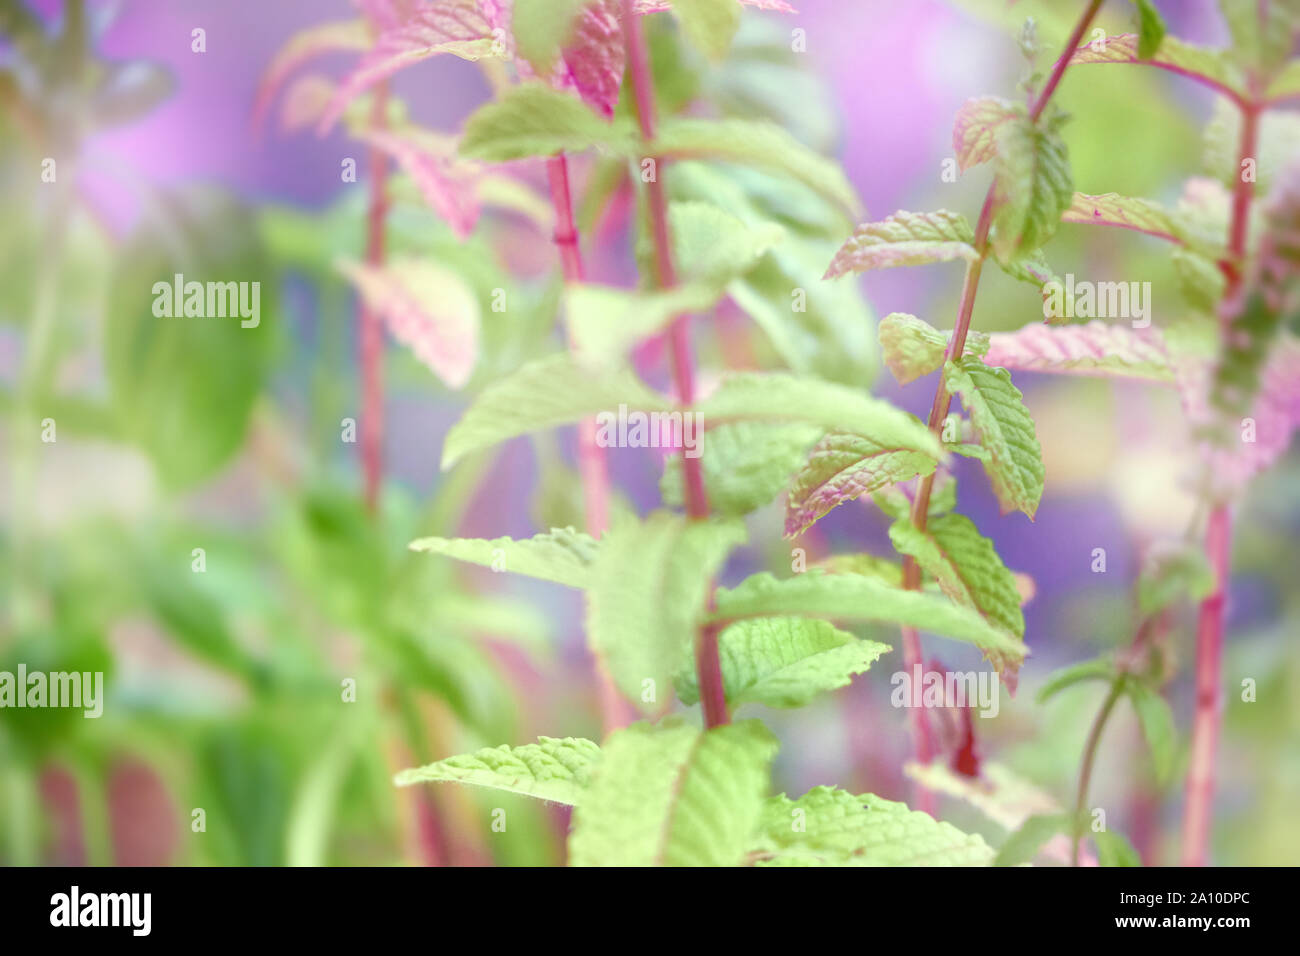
(708, 668)
(372, 330)
(1209, 699)
(1199, 803)
(912, 651)
(616, 712)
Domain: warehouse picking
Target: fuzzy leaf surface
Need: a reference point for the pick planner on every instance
(975, 130)
(843, 467)
(748, 464)
(853, 597)
(671, 795)
(1032, 187)
(562, 555)
(905, 239)
(555, 769)
(789, 398)
(840, 829)
(534, 119)
(1094, 349)
(784, 661)
(912, 348)
(756, 143)
(648, 590)
(1006, 432)
(551, 391)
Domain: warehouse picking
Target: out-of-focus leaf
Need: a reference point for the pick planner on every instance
(748, 464)
(458, 27)
(129, 91)
(1157, 722)
(1023, 845)
(428, 308)
(648, 591)
(183, 386)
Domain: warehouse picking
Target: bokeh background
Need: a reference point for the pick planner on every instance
(223, 686)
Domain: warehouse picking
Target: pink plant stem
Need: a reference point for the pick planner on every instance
(616, 712)
(707, 665)
(1199, 802)
(912, 651)
(372, 331)
(1209, 699)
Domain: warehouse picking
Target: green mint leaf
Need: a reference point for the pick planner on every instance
(542, 27)
(905, 239)
(1023, 844)
(832, 827)
(713, 246)
(1113, 849)
(552, 769)
(968, 570)
(882, 569)
(605, 321)
(1032, 187)
(1151, 29)
(778, 397)
(1173, 574)
(1001, 795)
(1005, 429)
(912, 347)
(748, 465)
(710, 25)
(649, 586)
(533, 119)
(975, 130)
(552, 391)
(1032, 269)
(1263, 34)
(562, 555)
(1101, 668)
(843, 467)
(762, 145)
(784, 661)
(1286, 84)
(853, 597)
(671, 795)
(1157, 722)
(817, 328)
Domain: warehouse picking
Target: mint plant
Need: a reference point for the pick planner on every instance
(1231, 354)
(653, 619)
(737, 215)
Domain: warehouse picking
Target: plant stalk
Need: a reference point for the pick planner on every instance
(707, 665)
(372, 329)
(593, 467)
(1089, 757)
(912, 652)
(1199, 804)
(1200, 786)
